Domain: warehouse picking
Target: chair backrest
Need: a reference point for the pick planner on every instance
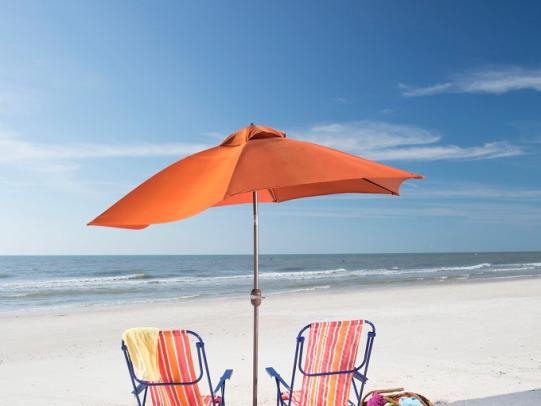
(330, 358)
(174, 360)
(176, 365)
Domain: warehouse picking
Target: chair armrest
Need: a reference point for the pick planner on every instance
(359, 376)
(273, 374)
(226, 375)
(139, 388)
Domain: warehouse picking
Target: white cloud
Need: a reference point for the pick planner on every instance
(472, 191)
(434, 191)
(473, 212)
(385, 141)
(15, 148)
(368, 135)
(489, 150)
(425, 91)
(374, 140)
(494, 81)
(29, 165)
(342, 100)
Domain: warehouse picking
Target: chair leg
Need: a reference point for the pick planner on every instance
(145, 396)
(223, 395)
(139, 402)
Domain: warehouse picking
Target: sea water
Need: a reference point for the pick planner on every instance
(37, 282)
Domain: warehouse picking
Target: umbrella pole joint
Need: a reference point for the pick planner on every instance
(255, 297)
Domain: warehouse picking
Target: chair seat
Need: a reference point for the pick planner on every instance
(207, 400)
(295, 400)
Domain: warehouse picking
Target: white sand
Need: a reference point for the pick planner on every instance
(448, 342)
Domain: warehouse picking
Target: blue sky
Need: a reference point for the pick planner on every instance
(97, 96)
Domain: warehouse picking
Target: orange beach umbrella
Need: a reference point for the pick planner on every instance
(255, 164)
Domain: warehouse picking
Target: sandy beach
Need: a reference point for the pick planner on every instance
(451, 342)
(160, 163)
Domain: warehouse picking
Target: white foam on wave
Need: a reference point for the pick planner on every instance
(464, 268)
(514, 269)
(73, 282)
(141, 301)
(329, 273)
(406, 271)
(140, 279)
(270, 276)
(137, 280)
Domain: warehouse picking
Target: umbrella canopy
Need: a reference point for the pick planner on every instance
(255, 158)
(255, 164)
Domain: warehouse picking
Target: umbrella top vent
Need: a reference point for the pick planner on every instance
(252, 132)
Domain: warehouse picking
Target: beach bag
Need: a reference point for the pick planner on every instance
(380, 397)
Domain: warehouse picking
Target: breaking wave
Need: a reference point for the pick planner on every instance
(36, 282)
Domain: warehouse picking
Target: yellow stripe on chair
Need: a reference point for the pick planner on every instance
(142, 343)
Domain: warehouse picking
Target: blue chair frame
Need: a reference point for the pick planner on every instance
(358, 373)
(141, 386)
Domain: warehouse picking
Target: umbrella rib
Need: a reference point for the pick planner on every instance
(233, 174)
(378, 185)
(271, 191)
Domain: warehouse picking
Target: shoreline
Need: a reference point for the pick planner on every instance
(443, 282)
(447, 341)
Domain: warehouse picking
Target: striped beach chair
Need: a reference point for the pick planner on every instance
(162, 366)
(330, 376)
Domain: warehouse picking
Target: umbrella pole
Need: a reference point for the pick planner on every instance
(255, 298)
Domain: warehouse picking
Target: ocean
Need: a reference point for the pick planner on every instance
(38, 282)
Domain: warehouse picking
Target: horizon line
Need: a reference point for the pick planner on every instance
(282, 254)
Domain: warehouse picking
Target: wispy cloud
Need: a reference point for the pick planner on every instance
(28, 164)
(494, 81)
(17, 150)
(448, 190)
(386, 141)
(473, 212)
(489, 150)
(341, 100)
(372, 139)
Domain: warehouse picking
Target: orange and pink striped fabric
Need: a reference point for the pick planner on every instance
(332, 346)
(176, 365)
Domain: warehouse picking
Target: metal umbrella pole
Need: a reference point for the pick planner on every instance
(255, 298)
